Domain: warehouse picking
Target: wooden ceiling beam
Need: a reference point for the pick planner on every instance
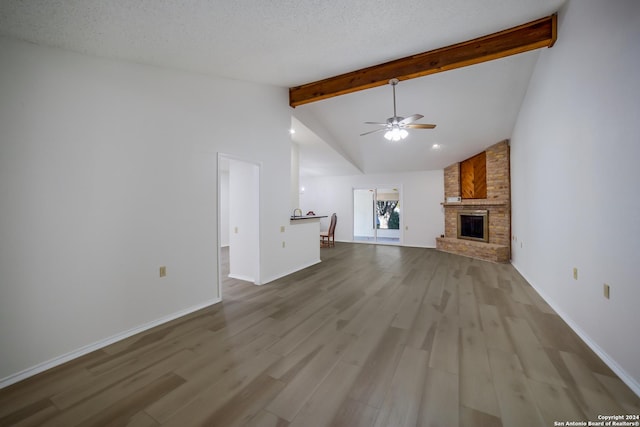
(523, 38)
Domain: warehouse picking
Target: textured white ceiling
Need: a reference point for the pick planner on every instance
(291, 42)
(278, 42)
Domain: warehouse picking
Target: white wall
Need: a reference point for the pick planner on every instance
(224, 209)
(574, 169)
(244, 215)
(421, 212)
(107, 172)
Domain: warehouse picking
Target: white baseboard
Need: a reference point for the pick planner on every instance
(608, 360)
(243, 278)
(301, 267)
(56, 361)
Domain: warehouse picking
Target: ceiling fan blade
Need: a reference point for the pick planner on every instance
(375, 123)
(420, 126)
(410, 119)
(372, 131)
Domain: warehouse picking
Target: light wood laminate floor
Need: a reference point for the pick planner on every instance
(372, 336)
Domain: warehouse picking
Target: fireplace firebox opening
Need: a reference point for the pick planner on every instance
(473, 225)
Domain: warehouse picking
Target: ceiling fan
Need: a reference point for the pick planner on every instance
(396, 127)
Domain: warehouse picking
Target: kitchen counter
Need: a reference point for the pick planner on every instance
(297, 218)
(301, 241)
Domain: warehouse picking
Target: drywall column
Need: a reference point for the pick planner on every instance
(224, 209)
(295, 176)
(244, 215)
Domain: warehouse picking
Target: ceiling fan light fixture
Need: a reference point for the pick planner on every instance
(396, 133)
(395, 126)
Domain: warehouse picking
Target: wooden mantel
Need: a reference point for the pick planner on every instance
(477, 202)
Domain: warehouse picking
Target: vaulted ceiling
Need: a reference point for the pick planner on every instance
(290, 43)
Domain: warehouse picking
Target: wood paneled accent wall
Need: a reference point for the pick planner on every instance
(473, 177)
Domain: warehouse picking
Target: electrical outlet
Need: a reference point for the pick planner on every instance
(575, 273)
(282, 228)
(406, 227)
(163, 271)
(606, 291)
(283, 244)
(235, 230)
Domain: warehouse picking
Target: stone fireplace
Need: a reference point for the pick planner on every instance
(479, 227)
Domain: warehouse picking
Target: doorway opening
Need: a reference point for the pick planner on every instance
(238, 220)
(376, 215)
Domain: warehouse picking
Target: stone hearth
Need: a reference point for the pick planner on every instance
(497, 203)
